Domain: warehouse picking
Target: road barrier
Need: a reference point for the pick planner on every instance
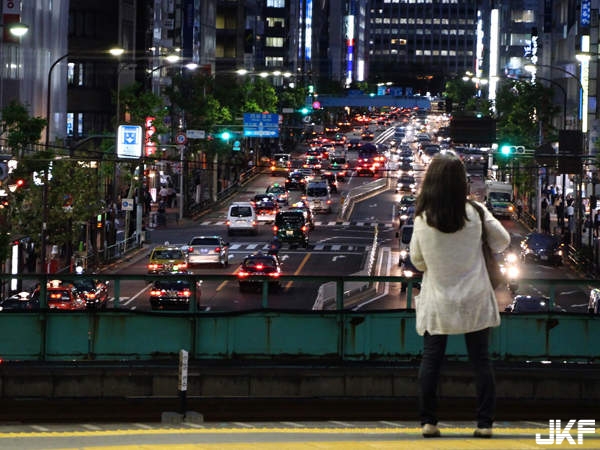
(117, 334)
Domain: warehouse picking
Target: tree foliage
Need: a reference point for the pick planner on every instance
(525, 111)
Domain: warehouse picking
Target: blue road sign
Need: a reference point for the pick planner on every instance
(261, 125)
(129, 141)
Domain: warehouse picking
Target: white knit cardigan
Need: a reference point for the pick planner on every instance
(456, 295)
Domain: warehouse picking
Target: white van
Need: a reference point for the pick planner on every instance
(241, 216)
(318, 196)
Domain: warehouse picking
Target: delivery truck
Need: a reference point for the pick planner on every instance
(498, 198)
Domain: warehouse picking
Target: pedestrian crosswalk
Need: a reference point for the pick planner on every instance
(250, 247)
(330, 223)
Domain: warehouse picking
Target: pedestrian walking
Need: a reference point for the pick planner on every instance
(454, 298)
(519, 208)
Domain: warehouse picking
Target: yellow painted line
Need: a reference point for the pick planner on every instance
(299, 269)
(224, 283)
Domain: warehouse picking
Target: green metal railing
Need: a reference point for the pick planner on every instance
(278, 334)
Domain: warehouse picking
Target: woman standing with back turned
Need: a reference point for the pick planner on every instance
(456, 296)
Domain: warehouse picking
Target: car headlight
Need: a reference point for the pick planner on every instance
(511, 257)
(403, 254)
(513, 272)
(408, 273)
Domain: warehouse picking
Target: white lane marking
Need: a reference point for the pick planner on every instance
(206, 222)
(39, 428)
(319, 247)
(252, 246)
(235, 246)
(360, 224)
(335, 247)
(242, 424)
(91, 427)
(386, 285)
(330, 224)
(137, 295)
(346, 223)
(143, 426)
(193, 425)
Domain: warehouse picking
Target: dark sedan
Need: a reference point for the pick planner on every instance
(258, 266)
(172, 294)
(531, 304)
(543, 248)
(93, 292)
(296, 180)
(22, 301)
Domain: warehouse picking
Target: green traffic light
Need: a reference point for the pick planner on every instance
(304, 110)
(225, 135)
(506, 150)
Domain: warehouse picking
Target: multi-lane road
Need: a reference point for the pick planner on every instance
(336, 248)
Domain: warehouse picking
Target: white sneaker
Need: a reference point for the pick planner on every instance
(430, 431)
(483, 433)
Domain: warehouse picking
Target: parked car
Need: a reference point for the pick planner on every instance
(531, 304)
(543, 248)
(173, 294)
(208, 250)
(256, 266)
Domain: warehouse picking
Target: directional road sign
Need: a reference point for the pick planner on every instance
(261, 125)
(129, 141)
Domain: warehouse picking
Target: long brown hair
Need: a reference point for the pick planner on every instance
(443, 193)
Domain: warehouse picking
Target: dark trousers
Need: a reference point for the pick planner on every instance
(434, 348)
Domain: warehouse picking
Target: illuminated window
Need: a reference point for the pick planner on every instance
(522, 16)
(274, 42)
(274, 61)
(275, 3)
(273, 22)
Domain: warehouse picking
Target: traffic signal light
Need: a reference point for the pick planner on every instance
(99, 222)
(507, 149)
(225, 135)
(304, 111)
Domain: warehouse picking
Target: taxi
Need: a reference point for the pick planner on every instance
(61, 295)
(167, 259)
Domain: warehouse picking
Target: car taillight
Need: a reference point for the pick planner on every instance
(242, 274)
(259, 267)
(55, 296)
(190, 249)
(90, 295)
(275, 228)
(228, 222)
(157, 293)
(184, 293)
(153, 266)
(274, 274)
(181, 266)
(218, 250)
(304, 228)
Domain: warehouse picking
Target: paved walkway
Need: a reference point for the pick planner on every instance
(293, 435)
